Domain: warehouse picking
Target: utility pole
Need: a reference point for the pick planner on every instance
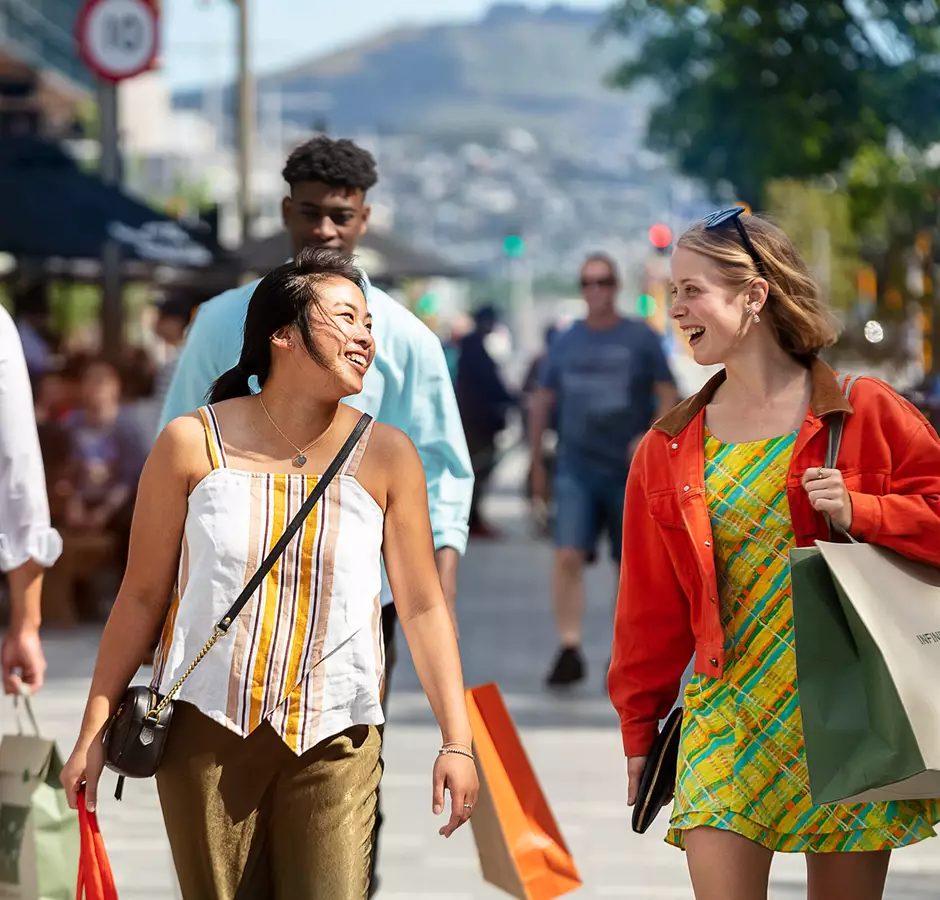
(112, 300)
(246, 122)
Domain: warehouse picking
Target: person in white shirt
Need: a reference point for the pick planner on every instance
(28, 543)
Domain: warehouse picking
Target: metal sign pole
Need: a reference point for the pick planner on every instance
(112, 303)
(246, 123)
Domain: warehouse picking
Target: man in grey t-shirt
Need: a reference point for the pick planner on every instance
(607, 379)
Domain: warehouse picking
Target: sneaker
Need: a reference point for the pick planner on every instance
(568, 669)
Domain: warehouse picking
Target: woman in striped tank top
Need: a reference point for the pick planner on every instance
(268, 781)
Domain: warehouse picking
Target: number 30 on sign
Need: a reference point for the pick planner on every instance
(118, 39)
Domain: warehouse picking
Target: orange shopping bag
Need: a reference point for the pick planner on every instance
(95, 881)
(521, 849)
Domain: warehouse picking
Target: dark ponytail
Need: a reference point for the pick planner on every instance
(283, 299)
(230, 384)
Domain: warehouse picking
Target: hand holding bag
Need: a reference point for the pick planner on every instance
(658, 781)
(137, 733)
(95, 879)
(520, 846)
(867, 634)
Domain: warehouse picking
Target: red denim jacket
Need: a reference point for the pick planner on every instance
(667, 606)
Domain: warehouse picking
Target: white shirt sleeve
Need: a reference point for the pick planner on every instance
(25, 529)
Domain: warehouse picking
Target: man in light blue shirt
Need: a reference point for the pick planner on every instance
(408, 386)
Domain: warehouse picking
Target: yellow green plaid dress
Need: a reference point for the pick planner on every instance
(742, 764)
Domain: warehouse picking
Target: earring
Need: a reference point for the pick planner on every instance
(755, 316)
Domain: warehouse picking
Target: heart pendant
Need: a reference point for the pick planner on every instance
(300, 461)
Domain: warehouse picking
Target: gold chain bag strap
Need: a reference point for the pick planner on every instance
(137, 733)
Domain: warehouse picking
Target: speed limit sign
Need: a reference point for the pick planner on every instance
(118, 39)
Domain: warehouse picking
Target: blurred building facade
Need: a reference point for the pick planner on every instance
(42, 79)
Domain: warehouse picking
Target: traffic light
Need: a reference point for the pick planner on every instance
(660, 236)
(513, 245)
(646, 305)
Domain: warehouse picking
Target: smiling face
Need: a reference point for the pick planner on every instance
(715, 316)
(341, 331)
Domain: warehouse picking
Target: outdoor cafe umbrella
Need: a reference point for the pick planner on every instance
(50, 208)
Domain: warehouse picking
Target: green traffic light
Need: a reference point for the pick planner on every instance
(513, 245)
(646, 305)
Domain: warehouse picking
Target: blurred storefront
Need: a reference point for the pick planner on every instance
(42, 80)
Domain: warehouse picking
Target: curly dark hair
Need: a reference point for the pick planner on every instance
(338, 163)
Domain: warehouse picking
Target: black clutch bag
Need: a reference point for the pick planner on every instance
(137, 732)
(658, 781)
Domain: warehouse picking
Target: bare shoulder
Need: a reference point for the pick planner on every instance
(181, 447)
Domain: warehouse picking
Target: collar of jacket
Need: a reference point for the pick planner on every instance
(826, 398)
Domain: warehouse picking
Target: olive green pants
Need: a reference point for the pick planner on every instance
(247, 819)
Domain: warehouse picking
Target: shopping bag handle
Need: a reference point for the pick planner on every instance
(24, 695)
(95, 879)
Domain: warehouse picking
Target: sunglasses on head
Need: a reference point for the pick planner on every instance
(607, 282)
(733, 214)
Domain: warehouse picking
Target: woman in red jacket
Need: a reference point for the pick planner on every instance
(719, 491)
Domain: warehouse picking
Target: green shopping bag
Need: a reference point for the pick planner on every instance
(39, 835)
(867, 634)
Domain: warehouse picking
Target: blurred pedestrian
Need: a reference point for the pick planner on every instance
(719, 492)
(605, 379)
(484, 401)
(54, 396)
(108, 456)
(28, 543)
(174, 313)
(268, 781)
(409, 386)
(542, 514)
(31, 311)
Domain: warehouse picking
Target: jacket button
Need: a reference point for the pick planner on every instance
(686, 488)
(708, 543)
(714, 662)
(711, 599)
(675, 446)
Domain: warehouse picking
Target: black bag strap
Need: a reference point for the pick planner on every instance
(836, 427)
(313, 498)
(223, 625)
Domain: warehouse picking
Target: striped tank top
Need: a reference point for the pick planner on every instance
(306, 652)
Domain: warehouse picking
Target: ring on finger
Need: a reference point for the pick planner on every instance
(468, 806)
(820, 473)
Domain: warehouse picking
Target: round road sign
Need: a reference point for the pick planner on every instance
(118, 39)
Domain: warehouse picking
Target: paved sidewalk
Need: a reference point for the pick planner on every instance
(506, 636)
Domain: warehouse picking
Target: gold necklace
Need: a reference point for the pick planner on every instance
(300, 460)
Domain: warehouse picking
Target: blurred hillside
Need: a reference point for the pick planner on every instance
(498, 126)
(515, 67)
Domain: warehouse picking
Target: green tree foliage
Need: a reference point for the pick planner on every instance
(756, 90)
(819, 221)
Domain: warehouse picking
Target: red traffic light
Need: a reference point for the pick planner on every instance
(660, 236)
